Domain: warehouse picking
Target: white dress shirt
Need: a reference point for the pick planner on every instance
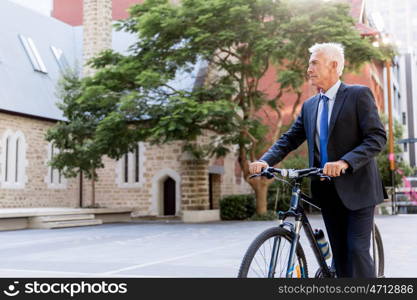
(331, 94)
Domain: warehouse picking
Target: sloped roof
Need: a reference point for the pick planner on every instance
(22, 89)
(32, 93)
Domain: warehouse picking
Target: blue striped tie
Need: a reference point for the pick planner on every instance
(324, 130)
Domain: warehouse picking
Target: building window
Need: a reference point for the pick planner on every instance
(54, 177)
(16, 167)
(13, 160)
(33, 54)
(60, 58)
(7, 159)
(136, 153)
(129, 168)
(126, 168)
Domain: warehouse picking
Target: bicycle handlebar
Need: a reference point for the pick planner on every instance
(291, 173)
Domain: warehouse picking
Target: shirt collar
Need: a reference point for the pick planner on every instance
(331, 93)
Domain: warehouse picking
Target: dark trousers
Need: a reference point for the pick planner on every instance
(349, 232)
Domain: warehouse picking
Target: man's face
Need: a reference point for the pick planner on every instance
(321, 71)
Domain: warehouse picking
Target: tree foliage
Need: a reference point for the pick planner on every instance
(135, 97)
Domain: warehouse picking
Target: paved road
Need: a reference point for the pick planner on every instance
(149, 249)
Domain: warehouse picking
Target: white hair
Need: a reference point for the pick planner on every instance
(333, 51)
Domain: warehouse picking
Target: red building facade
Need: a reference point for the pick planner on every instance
(71, 11)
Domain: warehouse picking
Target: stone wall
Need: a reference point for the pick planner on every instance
(156, 164)
(194, 189)
(36, 192)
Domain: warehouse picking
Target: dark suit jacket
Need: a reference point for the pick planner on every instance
(356, 135)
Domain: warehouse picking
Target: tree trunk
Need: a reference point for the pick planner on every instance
(260, 185)
(296, 104)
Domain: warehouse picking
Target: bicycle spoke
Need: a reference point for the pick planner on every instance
(261, 261)
(258, 264)
(259, 267)
(265, 262)
(258, 275)
(283, 267)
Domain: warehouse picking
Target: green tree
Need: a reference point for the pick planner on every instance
(78, 154)
(132, 97)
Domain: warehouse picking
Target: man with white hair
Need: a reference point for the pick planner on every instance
(344, 134)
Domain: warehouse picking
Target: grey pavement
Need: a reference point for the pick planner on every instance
(170, 249)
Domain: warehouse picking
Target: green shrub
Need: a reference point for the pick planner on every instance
(237, 207)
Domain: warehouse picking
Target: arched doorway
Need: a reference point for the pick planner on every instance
(169, 196)
(159, 181)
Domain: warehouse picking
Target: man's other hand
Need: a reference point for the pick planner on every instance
(335, 168)
(257, 166)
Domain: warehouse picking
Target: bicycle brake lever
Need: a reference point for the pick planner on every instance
(326, 177)
(266, 174)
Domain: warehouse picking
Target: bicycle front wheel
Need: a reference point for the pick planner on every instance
(258, 259)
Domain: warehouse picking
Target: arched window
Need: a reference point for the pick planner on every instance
(129, 168)
(54, 178)
(136, 165)
(13, 160)
(16, 167)
(7, 159)
(126, 168)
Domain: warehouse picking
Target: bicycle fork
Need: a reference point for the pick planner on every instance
(275, 251)
(291, 259)
(274, 256)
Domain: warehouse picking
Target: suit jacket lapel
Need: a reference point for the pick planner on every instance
(312, 127)
(313, 115)
(337, 107)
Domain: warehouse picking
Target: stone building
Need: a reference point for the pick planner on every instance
(153, 180)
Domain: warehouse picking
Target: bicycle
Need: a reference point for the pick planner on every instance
(271, 244)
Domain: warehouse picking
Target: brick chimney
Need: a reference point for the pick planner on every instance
(97, 19)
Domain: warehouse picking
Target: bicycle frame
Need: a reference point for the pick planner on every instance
(301, 220)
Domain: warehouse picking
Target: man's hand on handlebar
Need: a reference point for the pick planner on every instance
(335, 168)
(257, 166)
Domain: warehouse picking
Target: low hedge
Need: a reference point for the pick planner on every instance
(237, 207)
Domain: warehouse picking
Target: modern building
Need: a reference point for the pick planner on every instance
(397, 22)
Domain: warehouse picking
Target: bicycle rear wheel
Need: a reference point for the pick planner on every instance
(379, 253)
(257, 259)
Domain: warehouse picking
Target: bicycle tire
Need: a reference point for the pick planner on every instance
(380, 251)
(260, 240)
